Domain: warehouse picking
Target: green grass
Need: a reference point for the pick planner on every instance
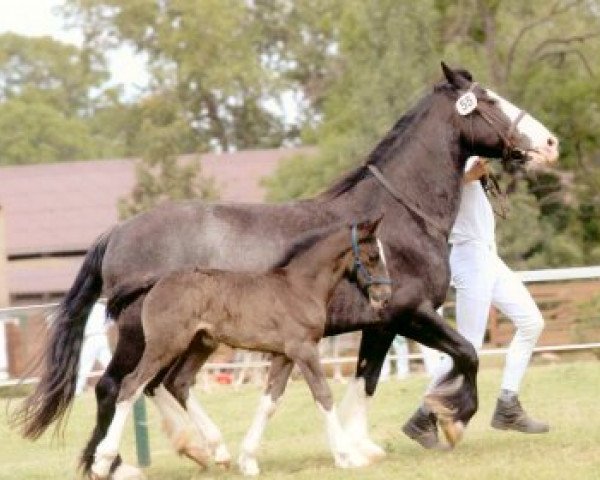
(567, 395)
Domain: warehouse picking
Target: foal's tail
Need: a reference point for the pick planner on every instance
(54, 393)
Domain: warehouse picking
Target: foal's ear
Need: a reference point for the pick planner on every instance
(456, 78)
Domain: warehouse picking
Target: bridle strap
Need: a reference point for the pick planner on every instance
(359, 267)
(415, 210)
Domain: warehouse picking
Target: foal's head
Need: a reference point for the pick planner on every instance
(493, 127)
(367, 265)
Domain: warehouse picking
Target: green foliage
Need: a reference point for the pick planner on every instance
(163, 174)
(542, 56)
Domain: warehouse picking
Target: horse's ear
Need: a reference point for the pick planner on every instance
(455, 78)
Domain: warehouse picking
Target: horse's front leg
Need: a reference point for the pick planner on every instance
(454, 398)
(375, 343)
(344, 452)
(279, 373)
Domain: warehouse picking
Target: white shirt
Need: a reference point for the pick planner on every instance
(475, 221)
(97, 322)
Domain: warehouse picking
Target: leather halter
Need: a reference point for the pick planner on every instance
(508, 137)
(359, 268)
(415, 210)
(507, 154)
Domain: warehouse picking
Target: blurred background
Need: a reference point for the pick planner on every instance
(108, 107)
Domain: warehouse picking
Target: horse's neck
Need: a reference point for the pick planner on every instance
(320, 268)
(424, 171)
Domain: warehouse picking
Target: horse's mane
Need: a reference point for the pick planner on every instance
(380, 153)
(304, 243)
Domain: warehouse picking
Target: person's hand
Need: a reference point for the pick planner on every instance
(477, 170)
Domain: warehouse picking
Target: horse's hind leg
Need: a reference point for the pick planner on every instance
(178, 383)
(126, 356)
(344, 453)
(279, 373)
(154, 358)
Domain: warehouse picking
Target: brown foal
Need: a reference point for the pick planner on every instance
(282, 311)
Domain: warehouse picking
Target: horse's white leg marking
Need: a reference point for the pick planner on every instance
(108, 448)
(209, 430)
(184, 437)
(344, 453)
(353, 414)
(127, 472)
(247, 459)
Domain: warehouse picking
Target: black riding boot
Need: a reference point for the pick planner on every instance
(422, 428)
(509, 415)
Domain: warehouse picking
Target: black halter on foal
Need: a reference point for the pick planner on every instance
(359, 269)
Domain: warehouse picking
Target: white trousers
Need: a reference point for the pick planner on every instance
(95, 347)
(482, 279)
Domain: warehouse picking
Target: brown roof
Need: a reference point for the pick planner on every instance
(64, 206)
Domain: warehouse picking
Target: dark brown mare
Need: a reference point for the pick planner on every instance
(421, 159)
(282, 311)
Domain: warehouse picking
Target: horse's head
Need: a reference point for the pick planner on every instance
(491, 126)
(368, 265)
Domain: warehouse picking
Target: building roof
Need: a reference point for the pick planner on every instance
(63, 207)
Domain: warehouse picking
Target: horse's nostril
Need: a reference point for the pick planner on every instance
(551, 142)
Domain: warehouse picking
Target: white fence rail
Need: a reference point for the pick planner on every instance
(536, 276)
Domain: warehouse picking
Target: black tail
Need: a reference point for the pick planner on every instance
(60, 359)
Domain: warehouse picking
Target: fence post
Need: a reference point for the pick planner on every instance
(140, 422)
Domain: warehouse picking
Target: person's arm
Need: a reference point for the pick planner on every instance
(478, 169)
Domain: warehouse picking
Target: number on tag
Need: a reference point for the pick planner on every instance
(466, 103)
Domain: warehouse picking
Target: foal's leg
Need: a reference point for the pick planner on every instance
(178, 383)
(345, 454)
(279, 373)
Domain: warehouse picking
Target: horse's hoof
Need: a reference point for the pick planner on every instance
(370, 449)
(353, 459)
(453, 431)
(127, 472)
(248, 465)
(222, 457)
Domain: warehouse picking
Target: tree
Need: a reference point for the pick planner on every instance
(49, 92)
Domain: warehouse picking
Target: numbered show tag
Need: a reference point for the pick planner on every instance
(466, 103)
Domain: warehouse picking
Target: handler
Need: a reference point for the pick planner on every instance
(482, 279)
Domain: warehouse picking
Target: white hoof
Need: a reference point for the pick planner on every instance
(222, 455)
(101, 466)
(128, 472)
(248, 465)
(351, 459)
(369, 449)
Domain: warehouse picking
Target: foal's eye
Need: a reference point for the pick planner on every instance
(374, 257)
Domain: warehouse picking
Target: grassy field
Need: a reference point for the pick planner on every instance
(568, 395)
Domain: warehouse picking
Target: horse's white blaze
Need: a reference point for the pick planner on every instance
(247, 459)
(381, 252)
(544, 143)
(208, 429)
(353, 415)
(108, 448)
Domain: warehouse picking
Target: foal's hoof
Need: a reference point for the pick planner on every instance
(248, 465)
(351, 460)
(370, 449)
(222, 457)
(127, 472)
